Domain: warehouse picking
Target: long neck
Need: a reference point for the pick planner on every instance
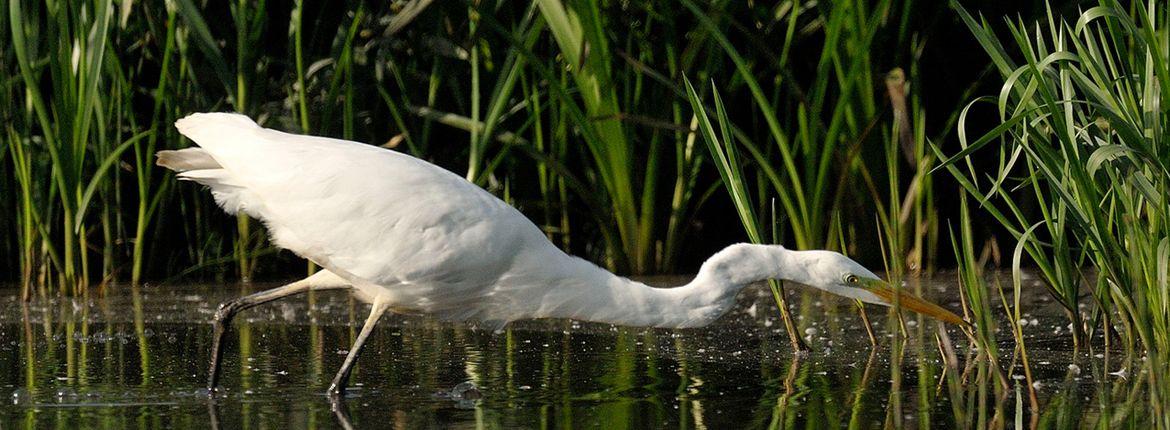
(586, 292)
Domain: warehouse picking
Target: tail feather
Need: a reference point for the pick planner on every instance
(183, 160)
(212, 128)
(221, 133)
(229, 194)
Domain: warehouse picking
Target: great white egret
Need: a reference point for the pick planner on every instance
(408, 236)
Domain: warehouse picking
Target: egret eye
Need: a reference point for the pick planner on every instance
(852, 279)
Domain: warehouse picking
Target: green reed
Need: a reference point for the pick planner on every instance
(66, 45)
(727, 161)
(817, 152)
(577, 28)
(833, 142)
(572, 26)
(150, 196)
(577, 109)
(184, 61)
(975, 292)
(624, 178)
(1083, 141)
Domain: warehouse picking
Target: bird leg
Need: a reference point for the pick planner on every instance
(341, 412)
(322, 280)
(337, 387)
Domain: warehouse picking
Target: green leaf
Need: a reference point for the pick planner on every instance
(207, 43)
(726, 161)
(1105, 153)
(96, 180)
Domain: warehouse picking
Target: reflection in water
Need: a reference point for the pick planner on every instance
(138, 359)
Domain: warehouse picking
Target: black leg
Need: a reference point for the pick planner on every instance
(323, 280)
(337, 388)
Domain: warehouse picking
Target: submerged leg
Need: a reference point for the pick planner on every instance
(323, 280)
(337, 388)
(341, 412)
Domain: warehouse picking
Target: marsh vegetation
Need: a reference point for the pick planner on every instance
(915, 136)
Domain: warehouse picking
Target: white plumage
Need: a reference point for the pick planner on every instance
(409, 236)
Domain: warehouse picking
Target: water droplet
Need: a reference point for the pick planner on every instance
(66, 395)
(21, 397)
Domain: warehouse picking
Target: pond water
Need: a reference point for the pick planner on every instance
(137, 358)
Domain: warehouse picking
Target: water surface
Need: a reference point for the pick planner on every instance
(137, 358)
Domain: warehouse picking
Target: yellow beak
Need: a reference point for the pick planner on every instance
(914, 303)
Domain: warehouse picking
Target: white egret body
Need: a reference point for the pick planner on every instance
(409, 236)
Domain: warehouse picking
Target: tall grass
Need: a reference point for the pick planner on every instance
(834, 150)
(727, 161)
(606, 90)
(71, 97)
(574, 111)
(830, 137)
(576, 27)
(985, 363)
(1081, 172)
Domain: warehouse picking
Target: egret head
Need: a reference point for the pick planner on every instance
(738, 265)
(840, 275)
